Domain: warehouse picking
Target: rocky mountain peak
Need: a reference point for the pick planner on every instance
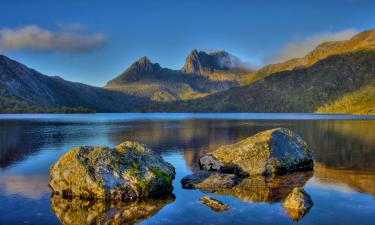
(144, 65)
(201, 62)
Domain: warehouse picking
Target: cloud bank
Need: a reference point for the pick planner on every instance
(33, 37)
(300, 48)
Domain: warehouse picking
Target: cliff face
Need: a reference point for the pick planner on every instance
(146, 79)
(217, 65)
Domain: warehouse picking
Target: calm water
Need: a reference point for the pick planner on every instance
(342, 186)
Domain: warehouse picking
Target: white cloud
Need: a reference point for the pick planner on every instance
(301, 47)
(32, 37)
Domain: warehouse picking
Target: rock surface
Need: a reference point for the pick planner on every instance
(273, 151)
(82, 211)
(214, 204)
(210, 181)
(127, 172)
(297, 203)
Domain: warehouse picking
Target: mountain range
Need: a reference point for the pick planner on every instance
(335, 77)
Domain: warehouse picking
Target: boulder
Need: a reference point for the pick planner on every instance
(127, 172)
(297, 203)
(214, 204)
(275, 151)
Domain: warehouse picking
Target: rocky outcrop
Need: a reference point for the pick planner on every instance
(129, 171)
(78, 211)
(205, 64)
(273, 151)
(214, 204)
(297, 203)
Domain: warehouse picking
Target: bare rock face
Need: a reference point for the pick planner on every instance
(275, 151)
(214, 204)
(129, 171)
(297, 203)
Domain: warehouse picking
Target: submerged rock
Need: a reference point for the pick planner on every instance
(78, 211)
(297, 204)
(214, 204)
(127, 172)
(210, 181)
(273, 151)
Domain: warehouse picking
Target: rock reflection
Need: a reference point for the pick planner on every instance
(267, 189)
(77, 211)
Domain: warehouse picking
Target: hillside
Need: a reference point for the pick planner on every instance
(146, 79)
(361, 41)
(300, 90)
(24, 89)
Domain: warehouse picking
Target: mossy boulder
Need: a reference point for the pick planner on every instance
(275, 151)
(127, 172)
(297, 204)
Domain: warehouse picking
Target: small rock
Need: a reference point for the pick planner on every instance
(127, 172)
(297, 203)
(210, 181)
(214, 204)
(273, 151)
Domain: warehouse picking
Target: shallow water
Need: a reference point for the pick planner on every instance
(342, 186)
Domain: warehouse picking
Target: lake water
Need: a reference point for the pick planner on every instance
(342, 186)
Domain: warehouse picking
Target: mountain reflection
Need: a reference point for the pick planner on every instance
(344, 149)
(79, 211)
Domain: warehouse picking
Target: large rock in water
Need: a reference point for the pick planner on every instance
(273, 151)
(127, 172)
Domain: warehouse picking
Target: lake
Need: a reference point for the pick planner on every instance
(342, 186)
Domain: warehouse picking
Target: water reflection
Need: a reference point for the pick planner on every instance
(79, 211)
(267, 189)
(344, 152)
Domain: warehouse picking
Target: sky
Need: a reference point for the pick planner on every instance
(94, 41)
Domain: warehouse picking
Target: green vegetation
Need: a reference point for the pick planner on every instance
(361, 101)
(62, 110)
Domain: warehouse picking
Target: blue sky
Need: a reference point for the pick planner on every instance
(93, 41)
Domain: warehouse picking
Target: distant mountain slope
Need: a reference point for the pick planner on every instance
(363, 40)
(24, 88)
(361, 101)
(146, 79)
(298, 90)
(216, 65)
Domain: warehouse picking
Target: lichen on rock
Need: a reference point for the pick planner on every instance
(127, 172)
(273, 151)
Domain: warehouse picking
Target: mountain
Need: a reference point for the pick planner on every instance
(216, 65)
(25, 89)
(146, 79)
(306, 89)
(361, 41)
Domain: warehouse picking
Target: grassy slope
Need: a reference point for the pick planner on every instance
(361, 101)
(300, 90)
